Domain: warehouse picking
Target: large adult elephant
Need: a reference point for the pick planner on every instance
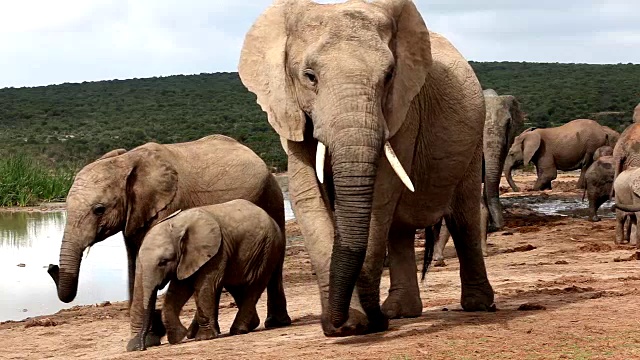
(343, 84)
(503, 121)
(567, 147)
(626, 152)
(130, 191)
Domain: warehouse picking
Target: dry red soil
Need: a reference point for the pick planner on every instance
(563, 289)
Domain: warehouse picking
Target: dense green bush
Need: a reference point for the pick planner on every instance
(79, 122)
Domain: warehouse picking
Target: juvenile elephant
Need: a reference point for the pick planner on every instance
(130, 191)
(343, 84)
(235, 245)
(503, 121)
(627, 197)
(626, 152)
(599, 180)
(567, 147)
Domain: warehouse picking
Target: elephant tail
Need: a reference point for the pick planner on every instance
(431, 234)
(584, 193)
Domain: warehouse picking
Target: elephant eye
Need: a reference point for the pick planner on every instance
(99, 210)
(388, 75)
(163, 262)
(311, 76)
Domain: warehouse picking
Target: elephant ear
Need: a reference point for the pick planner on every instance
(517, 115)
(530, 146)
(413, 60)
(151, 186)
(262, 70)
(113, 153)
(200, 242)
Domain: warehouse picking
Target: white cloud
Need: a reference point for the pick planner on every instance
(45, 42)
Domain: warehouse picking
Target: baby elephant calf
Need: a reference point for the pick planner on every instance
(235, 245)
(599, 180)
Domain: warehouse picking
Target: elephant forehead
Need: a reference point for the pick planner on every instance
(345, 21)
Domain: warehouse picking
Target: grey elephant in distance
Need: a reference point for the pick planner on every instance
(599, 180)
(504, 120)
(235, 245)
(130, 191)
(567, 147)
(382, 124)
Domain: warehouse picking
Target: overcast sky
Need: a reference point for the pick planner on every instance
(50, 42)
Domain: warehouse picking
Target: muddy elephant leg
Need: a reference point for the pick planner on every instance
(620, 226)
(464, 224)
(404, 293)
(177, 295)
(441, 242)
(594, 204)
(547, 172)
(277, 315)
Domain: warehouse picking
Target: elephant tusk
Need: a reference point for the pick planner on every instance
(397, 166)
(86, 253)
(320, 154)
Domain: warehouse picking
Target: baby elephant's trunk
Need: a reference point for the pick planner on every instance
(146, 323)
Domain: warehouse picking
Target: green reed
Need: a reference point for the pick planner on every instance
(25, 181)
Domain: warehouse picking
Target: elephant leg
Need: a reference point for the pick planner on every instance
(404, 293)
(464, 224)
(581, 180)
(277, 315)
(247, 318)
(207, 296)
(620, 226)
(441, 242)
(157, 327)
(177, 295)
(547, 172)
(594, 204)
(484, 224)
(627, 228)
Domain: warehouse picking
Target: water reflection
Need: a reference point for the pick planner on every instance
(33, 239)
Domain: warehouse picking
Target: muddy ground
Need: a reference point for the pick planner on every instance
(563, 291)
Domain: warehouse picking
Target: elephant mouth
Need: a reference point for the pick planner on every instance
(391, 156)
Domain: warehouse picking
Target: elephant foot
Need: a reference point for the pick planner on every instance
(206, 333)
(357, 324)
(240, 327)
(402, 305)
(275, 321)
(595, 218)
(439, 263)
(477, 297)
(175, 336)
(149, 341)
(193, 329)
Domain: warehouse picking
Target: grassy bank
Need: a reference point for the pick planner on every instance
(25, 181)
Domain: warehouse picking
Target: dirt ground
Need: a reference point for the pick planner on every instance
(563, 291)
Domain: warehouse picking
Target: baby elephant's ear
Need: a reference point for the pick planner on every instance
(200, 242)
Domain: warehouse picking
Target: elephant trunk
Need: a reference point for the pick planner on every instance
(355, 155)
(508, 168)
(148, 315)
(66, 276)
(492, 189)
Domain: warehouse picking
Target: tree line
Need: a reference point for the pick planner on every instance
(76, 123)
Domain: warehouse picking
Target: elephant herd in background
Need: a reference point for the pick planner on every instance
(362, 96)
